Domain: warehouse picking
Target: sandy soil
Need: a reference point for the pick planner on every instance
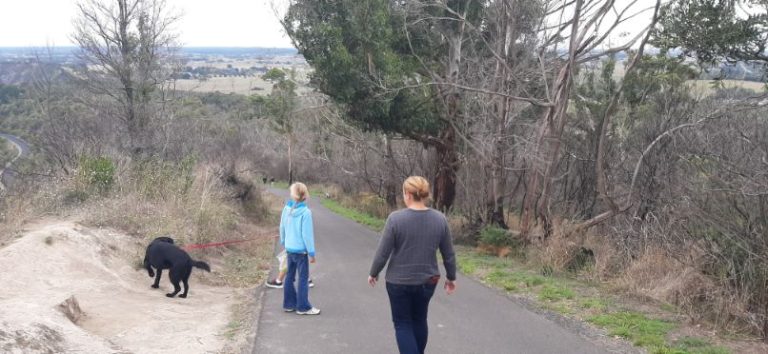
(122, 314)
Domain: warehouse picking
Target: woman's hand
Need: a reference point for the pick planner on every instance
(372, 280)
(450, 286)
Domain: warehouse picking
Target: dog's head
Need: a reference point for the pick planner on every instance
(165, 239)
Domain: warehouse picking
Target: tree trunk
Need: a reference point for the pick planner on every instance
(444, 190)
(390, 178)
(550, 137)
(290, 160)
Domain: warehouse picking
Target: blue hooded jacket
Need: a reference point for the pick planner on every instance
(297, 234)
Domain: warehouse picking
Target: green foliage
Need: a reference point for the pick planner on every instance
(358, 53)
(97, 173)
(495, 236)
(274, 74)
(281, 103)
(713, 30)
(9, 93)
(656, 75)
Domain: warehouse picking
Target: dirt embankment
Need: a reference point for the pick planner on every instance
(118, 311)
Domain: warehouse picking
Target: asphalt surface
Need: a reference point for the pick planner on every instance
(355, 318)
(7, 174)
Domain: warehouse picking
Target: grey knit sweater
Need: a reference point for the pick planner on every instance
(410, 242)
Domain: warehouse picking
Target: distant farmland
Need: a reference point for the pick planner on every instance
(706, 86)
(231, 84)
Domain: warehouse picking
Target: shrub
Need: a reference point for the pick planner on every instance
(97, 173)
(494, 236)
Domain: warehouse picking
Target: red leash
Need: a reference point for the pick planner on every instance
(215, 244)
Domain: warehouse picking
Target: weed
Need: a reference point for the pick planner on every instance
(555, 293)
(467, 265)
(593, 303)
(641, 330)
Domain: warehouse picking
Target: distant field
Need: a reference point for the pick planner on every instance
(705, 86)
(239, 84)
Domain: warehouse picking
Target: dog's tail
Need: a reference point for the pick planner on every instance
(202, 265)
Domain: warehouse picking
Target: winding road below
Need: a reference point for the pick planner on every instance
(7, 173)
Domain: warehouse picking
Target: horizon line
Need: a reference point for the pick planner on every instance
(188, 46)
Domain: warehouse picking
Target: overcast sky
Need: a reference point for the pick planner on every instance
(214, 23)
(219, 23)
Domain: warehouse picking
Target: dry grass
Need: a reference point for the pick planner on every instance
(194, 204)
(234, 84)
(706, 87)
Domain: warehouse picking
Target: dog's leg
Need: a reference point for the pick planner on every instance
(185, 280)
(175, 278)
(157, 278)
(148, 267)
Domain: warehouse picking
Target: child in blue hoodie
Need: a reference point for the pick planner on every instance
(298, 239)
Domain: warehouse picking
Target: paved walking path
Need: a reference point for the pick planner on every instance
(355, 318)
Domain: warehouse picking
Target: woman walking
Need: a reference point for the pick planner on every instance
(410, 241)
(298, 239)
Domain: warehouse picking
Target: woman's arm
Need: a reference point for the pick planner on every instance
(308, 233)
(386, 244)
(449, 256)
(282, 228)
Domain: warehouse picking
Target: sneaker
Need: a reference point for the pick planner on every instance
(274, 284)
(312, 311)
(288, 310)
(311, 284)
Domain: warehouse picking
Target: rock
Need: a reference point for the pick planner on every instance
(71, 308)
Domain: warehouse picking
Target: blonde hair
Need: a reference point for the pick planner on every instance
(299, 192)
(418, 187)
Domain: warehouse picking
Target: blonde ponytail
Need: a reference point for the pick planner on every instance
(418, 187)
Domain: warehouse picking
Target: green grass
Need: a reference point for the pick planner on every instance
(555, 293)
(372, 222)
(280, 185)
(641, 330)
(593, 303)
(467, 265)
(691, 345)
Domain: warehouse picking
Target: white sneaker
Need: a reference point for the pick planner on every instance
(312, 311)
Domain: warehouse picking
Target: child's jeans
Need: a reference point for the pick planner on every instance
(293, 299)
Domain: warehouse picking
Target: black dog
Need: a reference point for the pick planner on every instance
(163, 254)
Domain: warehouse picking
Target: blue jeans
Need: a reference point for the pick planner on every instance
(291, 300)
(409, 305)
